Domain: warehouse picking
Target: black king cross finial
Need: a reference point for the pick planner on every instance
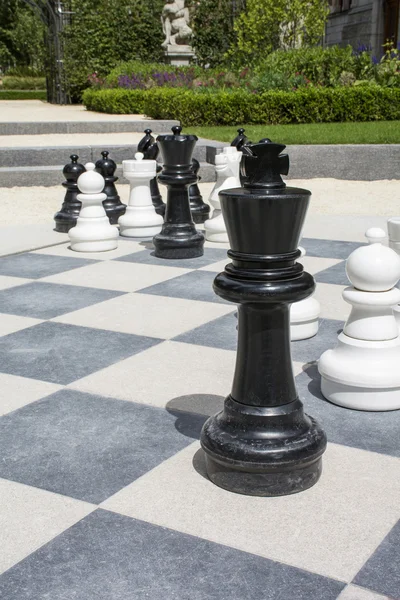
(263, 164)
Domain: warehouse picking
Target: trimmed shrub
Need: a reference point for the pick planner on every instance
(116, 101)
(311, 105)
(22, 95)
(23, 83)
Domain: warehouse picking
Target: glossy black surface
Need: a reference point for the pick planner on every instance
(149, 147)
(67, 216)
(199, 209)
(112, 205)
(262, 443)
(241, 139)
(179, 237)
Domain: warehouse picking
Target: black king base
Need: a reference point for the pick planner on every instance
(178, 238)
(262, 443)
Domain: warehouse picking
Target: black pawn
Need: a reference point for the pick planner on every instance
(112, 204)
(66, 218)
(199, 209)
(149, 147)
(240, 140)
(262, 443)
(179, 237)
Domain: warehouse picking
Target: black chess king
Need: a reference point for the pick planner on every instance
(262, 443)
(178, 238)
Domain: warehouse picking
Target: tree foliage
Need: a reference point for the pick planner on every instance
(21, 37)
(103, 33)
(267, 25)
(213, 29)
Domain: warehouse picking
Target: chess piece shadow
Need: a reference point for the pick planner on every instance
(199, 463)
(192, 411)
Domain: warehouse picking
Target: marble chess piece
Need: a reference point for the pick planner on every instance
(66, 217)
(393, 226)
(140, 218)
(304, 316)
(112, 204)
(93, 231)
(362, 372)
(262, 443)
(178, 238)
(227, 165)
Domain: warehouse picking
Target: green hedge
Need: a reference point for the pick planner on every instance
(22, 95)
(313, 105)
(23, 83)
(115, 101)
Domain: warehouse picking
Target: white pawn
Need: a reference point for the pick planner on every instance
(362, 372)
(92, 232)
(140, 218)
(304, 316)
(227, 165)
(393, 226)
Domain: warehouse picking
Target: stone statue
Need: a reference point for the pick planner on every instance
(175, 22)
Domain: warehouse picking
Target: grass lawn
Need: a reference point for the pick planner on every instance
(372, 132)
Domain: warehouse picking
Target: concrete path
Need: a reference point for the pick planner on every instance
(38, 111)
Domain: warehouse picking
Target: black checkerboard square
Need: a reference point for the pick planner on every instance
(35, 266)
(108, 556)
(42, 300)
(62, 353)
(85, 446)
(211, 255)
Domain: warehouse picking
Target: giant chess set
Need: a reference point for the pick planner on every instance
(177, 372)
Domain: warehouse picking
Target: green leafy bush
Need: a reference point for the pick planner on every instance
(388, 70)
(23, 83)
(234, 107)
(310, 105)
(119, 101)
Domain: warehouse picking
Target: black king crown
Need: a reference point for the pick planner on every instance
(263, 164)
(263, 443)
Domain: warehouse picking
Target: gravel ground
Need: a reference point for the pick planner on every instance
(31, 205)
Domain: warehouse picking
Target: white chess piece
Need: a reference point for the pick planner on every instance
(304, 316)
(140, 218)
(362, 372)
(92, 232)
(227, 165)
(393, 226)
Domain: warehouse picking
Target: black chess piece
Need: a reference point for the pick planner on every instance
(199, 209)
(149, 147)
(179, 237)
(112, 205)
(67, 216)
(241, 139)
(263, 443)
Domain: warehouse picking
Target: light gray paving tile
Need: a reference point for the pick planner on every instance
(143, 314)
(330, 529)
(30, 517)
(353, 592)
(180, 376)
(19, 391)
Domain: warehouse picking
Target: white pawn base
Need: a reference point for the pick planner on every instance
(304, 319)
(215, 229)
(93, 234)
(362, 374)
(396, 312)
(140, 222)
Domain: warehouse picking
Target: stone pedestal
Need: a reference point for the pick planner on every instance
(180, 55)
(262, 443)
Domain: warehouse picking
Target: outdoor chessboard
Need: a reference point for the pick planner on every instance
(109, 365)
